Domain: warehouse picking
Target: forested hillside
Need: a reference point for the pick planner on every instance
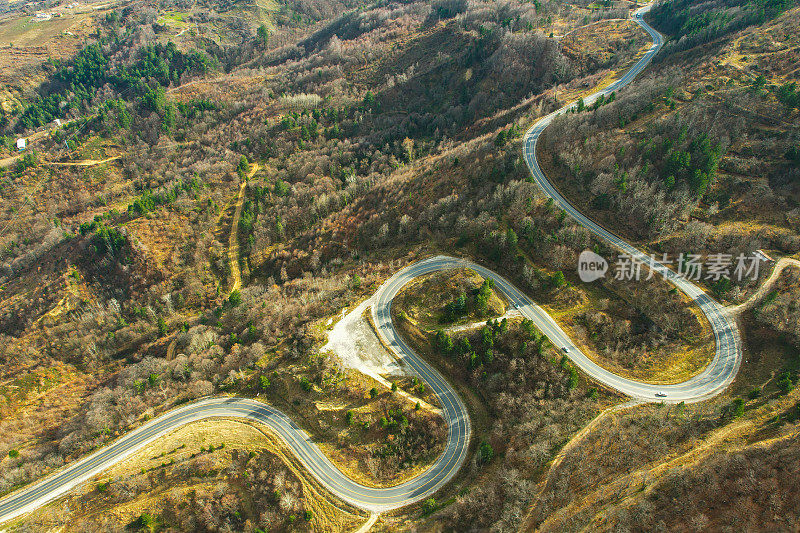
(357, 149)
(698, 156)
(226, 178)
(701, 157)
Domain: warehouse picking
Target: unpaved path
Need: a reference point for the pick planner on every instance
(366, 526)
(83, 162)
(355, 343)
(233, 238)
(511, 313)
(576, 439)
(765, 287)
(8, 161)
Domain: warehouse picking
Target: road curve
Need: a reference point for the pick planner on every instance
(728, 356)
(373, 499)
(713, 380)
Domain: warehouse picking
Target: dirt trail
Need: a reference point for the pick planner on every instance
(83, 163)
(355, 343)
(511, 313)
(765, 287)
(366, 526)
(576, 439)
(171, 349)
(233, 238)
(30, 139)
(8, 161)
(641, 481)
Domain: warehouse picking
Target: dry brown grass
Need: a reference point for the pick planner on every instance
(160, 457)
(424, 299)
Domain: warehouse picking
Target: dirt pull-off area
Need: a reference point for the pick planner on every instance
(354, 342)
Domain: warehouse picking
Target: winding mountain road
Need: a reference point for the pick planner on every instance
(722, 370)
(711, 381)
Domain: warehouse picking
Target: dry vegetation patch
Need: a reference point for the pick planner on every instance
(691, 466)
(229, 474)
(449, 298)
(352, 118)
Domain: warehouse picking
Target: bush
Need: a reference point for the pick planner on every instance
(262, 36)
(737, 407)
(108, 240)
(27, 161)
(145, 521)
(235, 298)
(243, 167)
(485, 452)
(573, 378)
(162, 326)
(785, 384)
(428, 506)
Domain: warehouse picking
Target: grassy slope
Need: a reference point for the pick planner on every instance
(697, 468)
(425, 300)
(181, 465)
(162, 243)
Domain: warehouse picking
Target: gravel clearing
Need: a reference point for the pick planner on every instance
(355, 343)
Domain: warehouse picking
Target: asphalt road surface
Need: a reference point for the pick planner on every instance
(711, 381)
(720, 373)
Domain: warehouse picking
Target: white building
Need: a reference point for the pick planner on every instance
(22, 144)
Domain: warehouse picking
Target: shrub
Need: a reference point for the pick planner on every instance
(485, 452)
(785, 384)
(243, 167)
(737, 407)
(428, 506)
(162, 326)
(235, 298)
(145, 521)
